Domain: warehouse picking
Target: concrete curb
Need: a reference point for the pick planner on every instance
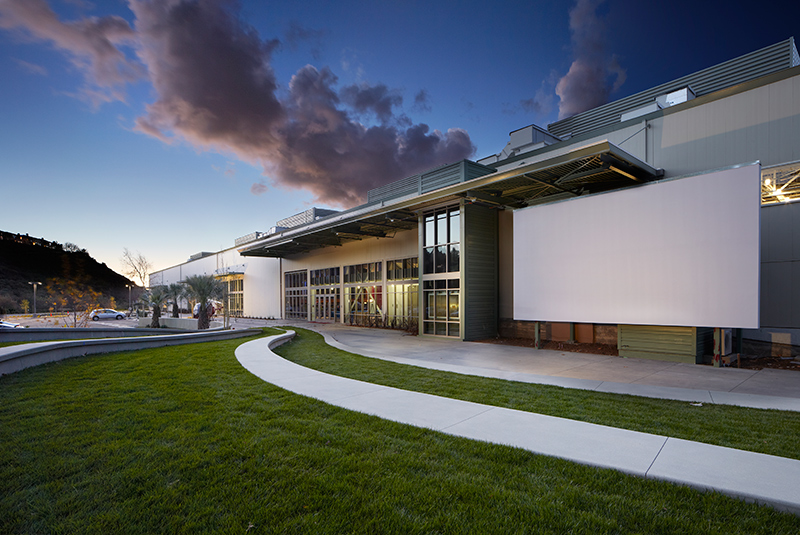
(16, 358)
(43, 334)
(754, 477)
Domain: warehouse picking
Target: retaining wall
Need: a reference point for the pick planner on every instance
(16, 358)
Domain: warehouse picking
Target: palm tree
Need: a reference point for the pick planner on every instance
(174, 293)
(203, 288)
(156, 298)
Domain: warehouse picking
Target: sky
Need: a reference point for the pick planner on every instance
(172, 127)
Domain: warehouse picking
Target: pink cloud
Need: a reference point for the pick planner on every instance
(92, 45)
(215, 90)
(592, 76)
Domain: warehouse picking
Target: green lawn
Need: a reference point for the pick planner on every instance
(764, 431)
(184, 440)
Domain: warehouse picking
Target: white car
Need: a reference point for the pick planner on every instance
(9, 325)
(106, 314)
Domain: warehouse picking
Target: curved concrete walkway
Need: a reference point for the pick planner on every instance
(752, 476)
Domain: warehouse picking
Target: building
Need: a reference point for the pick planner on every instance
(650, 223)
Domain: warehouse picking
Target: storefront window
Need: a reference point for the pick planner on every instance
(234, 294)
(325, 291)
(442, 307)
(296, 294)
(441, 247)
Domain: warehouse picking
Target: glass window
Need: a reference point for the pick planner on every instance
(453, 258)
(442, 231)
(440, 259)
(452, 305)
(430, 236)
(455, 226)
(441, 305)
(442, 312)
(296, 295)
(427, 260)
(441, 228)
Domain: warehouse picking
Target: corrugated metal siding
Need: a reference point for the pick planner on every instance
(306, 217)
(434, 179)
(704, 342)
(398, 188)
(479, 273)
(748, 67)
(476, 170)
(663, 343)
(442, 177)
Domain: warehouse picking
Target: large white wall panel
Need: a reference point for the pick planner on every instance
(262, 278)
(676, 252)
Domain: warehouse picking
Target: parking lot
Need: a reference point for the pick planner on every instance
(48, 320)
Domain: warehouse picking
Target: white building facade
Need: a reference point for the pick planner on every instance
(648, 223)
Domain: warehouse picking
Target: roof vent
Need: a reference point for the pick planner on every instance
(666, 100)
(521, 141)
(680, 96)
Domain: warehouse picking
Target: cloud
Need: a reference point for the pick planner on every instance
(92, 44)
(215, 89)
(259, 188)
(338, 158)
(212, 76)
(378, 99)
(297, 34)
(422, 101)
(31, 68)
(540, 104)
(593, 75)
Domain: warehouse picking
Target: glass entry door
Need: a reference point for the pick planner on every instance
(326, 304)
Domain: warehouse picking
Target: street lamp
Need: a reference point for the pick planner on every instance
(35, 284)
(130, 306)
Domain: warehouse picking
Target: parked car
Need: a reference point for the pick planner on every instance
(106, 314)
(9, 325)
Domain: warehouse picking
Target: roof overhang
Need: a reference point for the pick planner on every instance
(590, 169)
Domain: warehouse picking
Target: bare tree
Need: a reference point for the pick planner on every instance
(72, 248)
(136, 265)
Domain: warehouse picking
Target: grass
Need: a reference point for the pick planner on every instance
(6, 344)
(184, 440)
(764, 431)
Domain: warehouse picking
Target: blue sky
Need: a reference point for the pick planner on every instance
(175, 127)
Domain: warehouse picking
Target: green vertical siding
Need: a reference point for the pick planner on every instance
(680, 344)
(479, 272)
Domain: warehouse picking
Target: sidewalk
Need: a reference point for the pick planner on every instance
(751, 476)
(762, 389)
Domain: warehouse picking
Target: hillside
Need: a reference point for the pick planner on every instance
(23, 262)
